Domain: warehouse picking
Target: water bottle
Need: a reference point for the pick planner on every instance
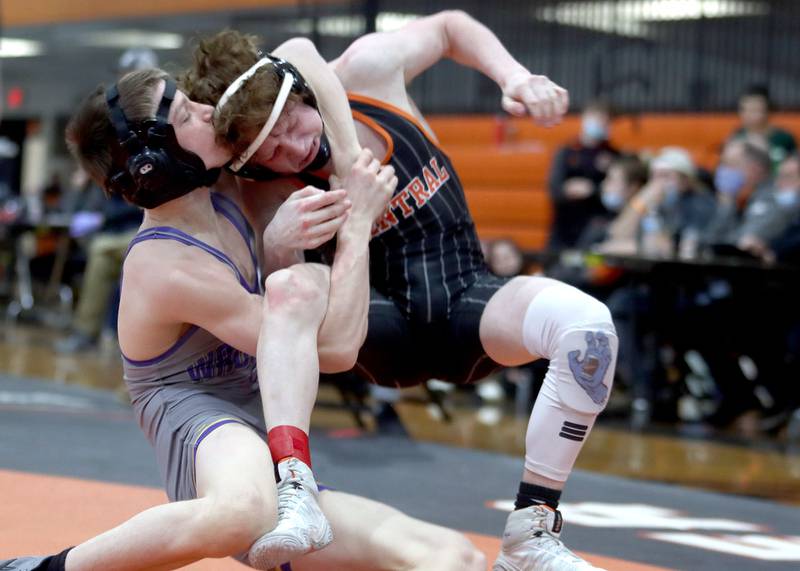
(690, 244)
(655, 241)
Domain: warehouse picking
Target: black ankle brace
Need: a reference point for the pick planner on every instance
(531, 495)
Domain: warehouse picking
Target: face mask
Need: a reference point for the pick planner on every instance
(787, 198)
(593, 130)
(728, 180)
(613, 202)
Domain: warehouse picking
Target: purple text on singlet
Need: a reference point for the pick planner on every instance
(220, 362)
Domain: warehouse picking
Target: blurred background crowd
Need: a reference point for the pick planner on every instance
(672, 192)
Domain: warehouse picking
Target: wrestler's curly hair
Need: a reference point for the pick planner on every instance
(217, 62)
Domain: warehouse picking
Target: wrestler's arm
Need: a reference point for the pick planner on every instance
(207, 294)
(343, 331)
(344, 328)
(379, 64)
(199, 291)
(331, 100)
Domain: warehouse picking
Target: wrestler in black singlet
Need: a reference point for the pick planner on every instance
(429, 281)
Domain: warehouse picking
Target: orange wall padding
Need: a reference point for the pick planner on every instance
(504, 163)
(25, 12)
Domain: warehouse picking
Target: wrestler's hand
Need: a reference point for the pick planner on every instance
(535, 95)
(369, 187)
(309, 218)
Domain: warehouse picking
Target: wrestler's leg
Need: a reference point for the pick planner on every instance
(371, 536)
(288, 372)
(288, 364)
(235, 504)
(531, 318)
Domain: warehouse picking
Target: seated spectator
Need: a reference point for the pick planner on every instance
(625, 178)
(754, 109)
(747, 204)
(751, 213)
(674, 199)
(680, 205)
(110, 231)
(786, 211)
(575, 177)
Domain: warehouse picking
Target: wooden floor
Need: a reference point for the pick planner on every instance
(758, 469)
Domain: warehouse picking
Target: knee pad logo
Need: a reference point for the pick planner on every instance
(590, 371)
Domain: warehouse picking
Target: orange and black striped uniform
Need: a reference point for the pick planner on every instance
(430, 283)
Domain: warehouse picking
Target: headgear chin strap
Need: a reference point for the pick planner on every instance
(157, 169)
(291, 82)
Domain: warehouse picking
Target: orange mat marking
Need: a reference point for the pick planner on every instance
(44, 514)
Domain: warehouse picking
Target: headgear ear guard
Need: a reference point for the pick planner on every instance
(157, 169)
(291, 81)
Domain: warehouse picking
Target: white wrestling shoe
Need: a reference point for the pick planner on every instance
(302, 527)
(531, 543)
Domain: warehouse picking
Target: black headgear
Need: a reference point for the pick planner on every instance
(300, 87)
(157, 169)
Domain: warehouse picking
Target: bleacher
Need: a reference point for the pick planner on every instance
(504, 163)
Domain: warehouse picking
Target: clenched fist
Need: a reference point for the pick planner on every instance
(537, 96)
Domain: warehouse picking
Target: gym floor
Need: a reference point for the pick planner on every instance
(73, 463)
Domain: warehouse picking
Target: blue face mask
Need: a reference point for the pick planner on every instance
(728, 180)
(613, 202)
(593, 130)
(787, 198)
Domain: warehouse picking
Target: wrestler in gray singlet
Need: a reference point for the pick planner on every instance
(200, 383)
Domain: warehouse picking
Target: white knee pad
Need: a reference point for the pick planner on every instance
(575, 332)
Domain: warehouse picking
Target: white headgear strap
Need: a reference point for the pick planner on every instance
(280, 103)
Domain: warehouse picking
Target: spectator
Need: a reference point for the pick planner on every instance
(747, 207)
(110, 230)
(625, 178)
(786, 211)
(674, 198)
(751, 213)
(575, 177)
(754, 109)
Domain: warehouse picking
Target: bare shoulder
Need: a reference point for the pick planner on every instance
(166, 286)
(163, 271)
(367, 50)
(369, 66)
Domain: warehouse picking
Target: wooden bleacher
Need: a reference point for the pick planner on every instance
(504, 164)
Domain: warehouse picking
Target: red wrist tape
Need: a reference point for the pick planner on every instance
(289, 442)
